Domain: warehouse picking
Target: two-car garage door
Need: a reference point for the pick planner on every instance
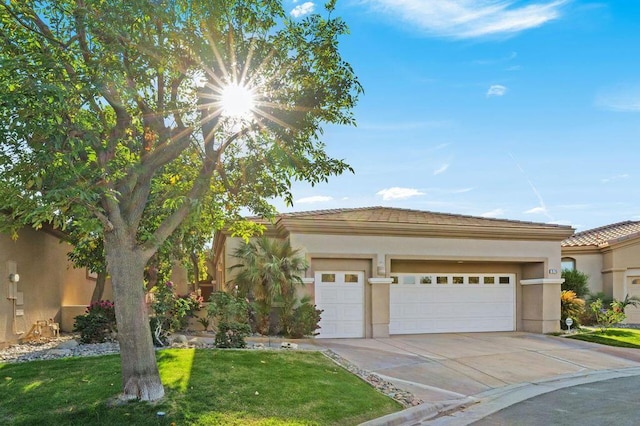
(445, 303)
(419, 303)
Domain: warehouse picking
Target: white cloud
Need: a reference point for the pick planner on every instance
(302, 9)
(314, 199)
(493, 213)
(441, 169)
(615, 178)
(471, 18)
(624, 98)
(537, 210)
(397, 193)
(496, 90)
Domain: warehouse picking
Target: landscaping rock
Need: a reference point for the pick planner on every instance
(288, 345)
(69, 344)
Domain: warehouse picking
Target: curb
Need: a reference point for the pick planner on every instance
(420, 413)
(494, 400)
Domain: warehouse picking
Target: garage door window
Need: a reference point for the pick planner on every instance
(635, 281)
(504, 280)
(328, 278)
(474, 280)
(489, 280)
(425, 279)
(351, 278)
(442, 280)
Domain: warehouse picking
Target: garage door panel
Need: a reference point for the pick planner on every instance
(440, 308)
(340, 295)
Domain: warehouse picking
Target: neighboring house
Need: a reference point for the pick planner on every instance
(610, 255)
(379, 271)
(49, 288)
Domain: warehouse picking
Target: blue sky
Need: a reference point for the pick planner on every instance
(524, 110)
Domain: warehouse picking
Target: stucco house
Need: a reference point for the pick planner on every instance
(380, 271)
(610, 255)
(39, 284)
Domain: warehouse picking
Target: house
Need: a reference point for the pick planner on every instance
(379, 271)
(610, 255)
(39, 284)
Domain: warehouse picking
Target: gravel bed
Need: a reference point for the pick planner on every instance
(405, 398)
(52, 348)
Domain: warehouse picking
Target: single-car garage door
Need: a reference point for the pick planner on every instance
(445, 303)
(340, 294)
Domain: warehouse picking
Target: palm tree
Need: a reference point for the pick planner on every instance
(270, 269)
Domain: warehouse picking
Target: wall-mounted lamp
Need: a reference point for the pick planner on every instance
(14, 278)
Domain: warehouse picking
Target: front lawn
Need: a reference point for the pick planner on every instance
(204, 387)
(621, 337)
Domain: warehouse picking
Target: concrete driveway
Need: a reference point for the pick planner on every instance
(446, 370)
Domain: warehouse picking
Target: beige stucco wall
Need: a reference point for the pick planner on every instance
(46, 281)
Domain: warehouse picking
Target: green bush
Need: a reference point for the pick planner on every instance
(576, 281)
(303, 321)
(170, 311)
(607, 317)
(231, 315)
(97, 324)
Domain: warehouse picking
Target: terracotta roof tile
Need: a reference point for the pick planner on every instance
(397, 215)
(608, 234)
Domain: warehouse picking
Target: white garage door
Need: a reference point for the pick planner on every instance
(340, 295)
(446, 303)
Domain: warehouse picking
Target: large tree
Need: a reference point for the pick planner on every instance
(123, 116)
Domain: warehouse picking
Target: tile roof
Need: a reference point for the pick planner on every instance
(407, 216)
(608, 234)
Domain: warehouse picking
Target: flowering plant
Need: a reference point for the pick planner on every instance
(98, 322)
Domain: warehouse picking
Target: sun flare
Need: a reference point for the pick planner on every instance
(237, 101)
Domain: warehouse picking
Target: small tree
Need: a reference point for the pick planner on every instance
(607, 317)
(270, 269)
(576, 281)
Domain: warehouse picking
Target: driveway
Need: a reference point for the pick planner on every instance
(457, 370)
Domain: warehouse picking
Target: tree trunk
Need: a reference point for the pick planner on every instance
(98, 291)
(140, 375)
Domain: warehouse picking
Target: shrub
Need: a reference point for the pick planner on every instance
(171, 312)
(305, 321)
(575, 281)
(231, 314)
(607, 317)
(97, 324)
(571, 306)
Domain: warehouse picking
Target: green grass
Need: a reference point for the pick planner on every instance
(203, 387)
(621, 337)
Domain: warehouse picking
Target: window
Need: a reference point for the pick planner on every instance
(426, 279)
(568, 263)
(458, 279)
(408, 279)
(394, 280)
(635, 281)
(489, 280)
(442, 280)
(328, 278)
(474, 280)
(350, 278)
(504, 280)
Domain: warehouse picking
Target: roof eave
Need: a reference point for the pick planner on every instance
(339, 227)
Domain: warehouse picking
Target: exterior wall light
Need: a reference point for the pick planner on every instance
(14, 278)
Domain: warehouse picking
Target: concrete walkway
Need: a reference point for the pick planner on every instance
(479, 373)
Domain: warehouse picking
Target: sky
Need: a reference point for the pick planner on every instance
(509, 109)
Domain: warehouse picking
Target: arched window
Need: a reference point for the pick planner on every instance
(568, 263)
